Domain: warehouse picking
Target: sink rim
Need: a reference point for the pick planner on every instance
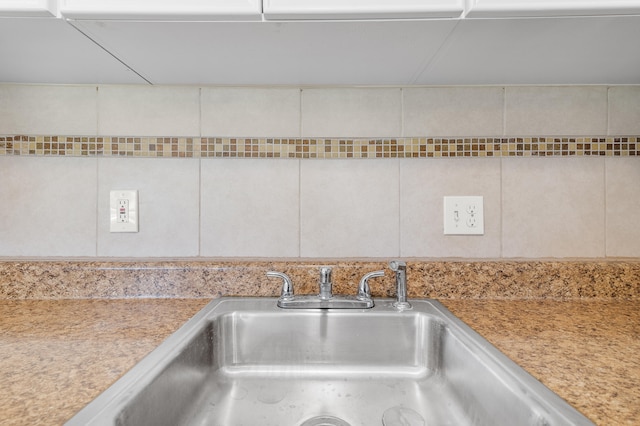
(141, 374)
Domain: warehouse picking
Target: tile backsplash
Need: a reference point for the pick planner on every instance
(289, 172)
(343, 113)
(204, 147)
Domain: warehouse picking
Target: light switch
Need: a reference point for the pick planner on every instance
(124, 210)
(464, 215)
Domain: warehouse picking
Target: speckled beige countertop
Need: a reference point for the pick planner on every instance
(448, 279)
(69, 329)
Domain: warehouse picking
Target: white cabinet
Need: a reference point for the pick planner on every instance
(320, 42)
(279, 53)
(48, 50)
(198, 10)
(531, 8)
(569, 50)
(28, 8)
(362, 9)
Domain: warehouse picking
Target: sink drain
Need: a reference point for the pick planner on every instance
(324, 421)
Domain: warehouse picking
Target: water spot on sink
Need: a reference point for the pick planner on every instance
(541, 421)
(239, 393)
(269, 399)
(324, 421)
(271, 396)
(402, 416)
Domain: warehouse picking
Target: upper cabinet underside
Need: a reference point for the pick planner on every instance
(533, 8)
(320, 42)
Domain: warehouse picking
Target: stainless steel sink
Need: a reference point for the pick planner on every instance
(244, 361)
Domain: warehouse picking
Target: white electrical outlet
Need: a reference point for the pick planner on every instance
(464, 215)
(124, 210)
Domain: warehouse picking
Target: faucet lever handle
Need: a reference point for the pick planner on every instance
(325, 274)
(364, 291)
(287, 285)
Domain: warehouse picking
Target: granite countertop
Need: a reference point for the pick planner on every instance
(57, 355)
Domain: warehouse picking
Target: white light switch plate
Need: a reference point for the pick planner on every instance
(464, 215)
(124, 211)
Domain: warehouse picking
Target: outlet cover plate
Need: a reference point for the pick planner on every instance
(464, 215)
(123, 210)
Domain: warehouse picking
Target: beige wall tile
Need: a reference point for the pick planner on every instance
(250, 207)
(351, 112)
(549, 111)
(349, 208)
(453, 111)
(553, 207)
(168, 191)
(48, 110)
(624, 110)
(148, 111)
(251, 112)
(422, 188)
(623, 207)
(49, 206)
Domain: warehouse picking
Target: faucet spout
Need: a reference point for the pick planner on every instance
(364, 291)
(287, 285)
(400, 268)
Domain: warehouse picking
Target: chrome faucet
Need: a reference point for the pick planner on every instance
(326, 285)
(287, 285)
(400, 268)
(364, 291)
(325, 299)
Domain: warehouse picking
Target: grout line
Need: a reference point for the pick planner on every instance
(402, 132)
(200, 176)
(200, 110)
(500, 218)
(299, 208)
(300, 132)
(504, 111)
(399, 207)
(200, 207)
(608, 111)
(608, 118)
(97, 216)
(98, 207)
(97, 110)
(605, 208)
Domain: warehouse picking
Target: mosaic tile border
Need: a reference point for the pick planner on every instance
(214, 147)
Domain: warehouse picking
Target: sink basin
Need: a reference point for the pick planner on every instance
(244, 361)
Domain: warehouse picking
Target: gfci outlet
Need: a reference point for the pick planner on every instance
(464, 215)
(124, 210)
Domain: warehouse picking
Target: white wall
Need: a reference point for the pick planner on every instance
(534, 207)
